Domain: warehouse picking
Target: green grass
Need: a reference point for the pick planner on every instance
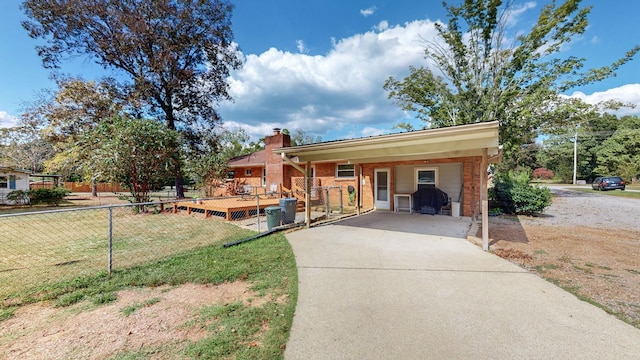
(128, 310)
(42, 249)
(235, 331)
(545, 267)
(585, 270)
(617, 193)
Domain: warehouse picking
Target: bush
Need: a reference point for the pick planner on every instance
(47, 196)
(542, 174)
(19, 197)
(514, 195)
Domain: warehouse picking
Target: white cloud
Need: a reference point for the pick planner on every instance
(628, 94)
(516, 12)
(322, 94)
(371, 131)
(382, 25)
(7, 120)
(368, 12)
(301, 48)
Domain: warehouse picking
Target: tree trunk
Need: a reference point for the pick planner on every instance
(179, 184)
(94, 187)
(177, 170)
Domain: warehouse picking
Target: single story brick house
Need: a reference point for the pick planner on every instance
(384, 170)
(12, 179)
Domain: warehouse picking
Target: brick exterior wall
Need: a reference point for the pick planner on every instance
(274, 164)
(279, 172)
(326, 175)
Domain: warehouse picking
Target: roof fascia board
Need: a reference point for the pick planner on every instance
(400, 151)
(488, 129)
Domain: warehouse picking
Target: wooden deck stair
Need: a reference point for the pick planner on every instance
(298, 194)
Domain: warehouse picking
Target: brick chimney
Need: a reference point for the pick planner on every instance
(276, 172)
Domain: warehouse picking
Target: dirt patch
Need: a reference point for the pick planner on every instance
(592, 251)
(159, 317)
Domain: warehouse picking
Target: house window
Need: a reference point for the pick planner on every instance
(345, 171)
(426, 178)
(231, 174)
(264, 177)
(247, 172)
(4, 182)
(12, 182)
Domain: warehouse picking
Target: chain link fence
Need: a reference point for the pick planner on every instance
(46, 247)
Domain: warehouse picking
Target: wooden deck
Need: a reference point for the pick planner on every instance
(231, 208)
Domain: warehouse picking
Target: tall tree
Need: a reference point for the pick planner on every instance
(301, 137)
(134, 152)
(174, 54)
(23, 146)
(620, 153)
(593, 136)
(476, 71)
(213, 163)
(65, 116)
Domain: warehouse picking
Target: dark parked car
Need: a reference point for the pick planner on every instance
(608, 183)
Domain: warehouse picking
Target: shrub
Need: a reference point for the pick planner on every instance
(514, 195)
(19, 197)
(542, 174)
(47, 196)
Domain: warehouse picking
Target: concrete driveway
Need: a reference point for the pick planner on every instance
(408, 286)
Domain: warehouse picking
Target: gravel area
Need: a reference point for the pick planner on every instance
(577, 208)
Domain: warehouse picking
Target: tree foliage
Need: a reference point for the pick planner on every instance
(212, 164)
(64, 117)
(477, 71)
(22, 146)
(597, 139)
(620, 153)
(174, 55)
(301, 137)
(136, 153)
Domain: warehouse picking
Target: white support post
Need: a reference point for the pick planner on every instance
(307, 186)
(307, 194)
(484, 198)
(358, 187)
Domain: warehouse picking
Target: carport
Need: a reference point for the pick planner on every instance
(478, 142)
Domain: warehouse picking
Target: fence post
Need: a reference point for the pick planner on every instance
(326, 197)
(340, 197)
(110, 230)
(258, 209)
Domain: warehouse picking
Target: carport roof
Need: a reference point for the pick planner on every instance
(448, 142)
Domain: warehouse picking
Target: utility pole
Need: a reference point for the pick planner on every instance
(575, 156)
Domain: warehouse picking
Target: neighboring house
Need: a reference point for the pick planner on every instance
(383, 170)
(12, 179)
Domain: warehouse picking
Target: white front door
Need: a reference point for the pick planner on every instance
(381, 189)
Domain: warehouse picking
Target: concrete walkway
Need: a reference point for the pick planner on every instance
(377, 287)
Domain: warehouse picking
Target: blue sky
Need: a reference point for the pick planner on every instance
(319, 65)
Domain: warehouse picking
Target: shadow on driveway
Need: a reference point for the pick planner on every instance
(438, 225)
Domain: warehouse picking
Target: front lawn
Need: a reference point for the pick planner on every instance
(618, 193)
(252, 324)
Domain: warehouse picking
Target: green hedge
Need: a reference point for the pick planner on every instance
(19, 197)
(47, 196)
(514, 195)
